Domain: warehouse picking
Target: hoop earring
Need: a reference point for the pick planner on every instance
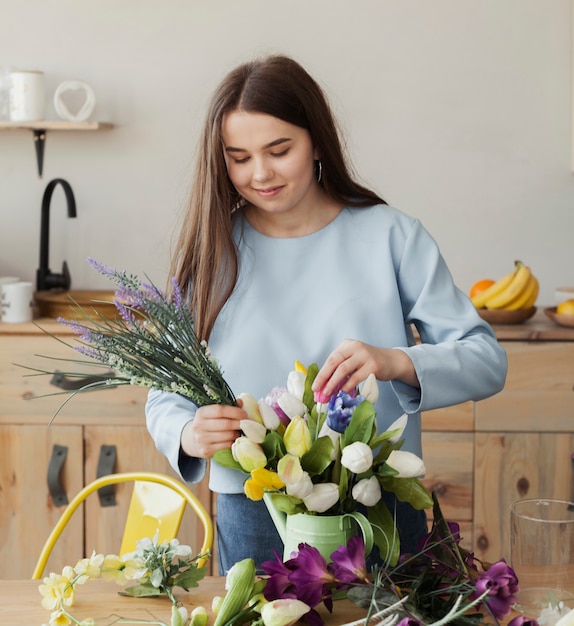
(318, 170)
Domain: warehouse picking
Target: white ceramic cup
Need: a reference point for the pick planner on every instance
(17, 302)
(4, 280)
(27, 97)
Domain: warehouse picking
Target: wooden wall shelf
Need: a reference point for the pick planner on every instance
(39, 129)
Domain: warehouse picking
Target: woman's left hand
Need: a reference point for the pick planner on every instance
(352, 362)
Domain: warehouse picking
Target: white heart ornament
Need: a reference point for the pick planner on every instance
(87, 108)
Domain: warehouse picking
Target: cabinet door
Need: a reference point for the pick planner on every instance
(513, 466)
(27, 512)
(448, 460)
(135, 452)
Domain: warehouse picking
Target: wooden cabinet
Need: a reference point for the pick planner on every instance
(85, 429)
(482, 456)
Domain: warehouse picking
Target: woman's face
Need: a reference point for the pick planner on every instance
(270, 162)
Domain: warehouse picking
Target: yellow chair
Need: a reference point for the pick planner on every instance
(157, 505)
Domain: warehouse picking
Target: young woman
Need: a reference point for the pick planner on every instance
(284, 256)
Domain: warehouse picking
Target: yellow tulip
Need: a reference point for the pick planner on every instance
(297, 437)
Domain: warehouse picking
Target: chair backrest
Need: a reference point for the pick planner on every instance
(157, 505)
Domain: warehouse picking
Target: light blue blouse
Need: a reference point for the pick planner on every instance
(368, 275)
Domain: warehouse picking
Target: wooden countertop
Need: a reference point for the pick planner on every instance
(537, 328)
(20, 604)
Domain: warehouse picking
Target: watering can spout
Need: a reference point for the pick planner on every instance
(279, 517)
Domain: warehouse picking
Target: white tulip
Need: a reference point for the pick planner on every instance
(367, 491)
(370, 389)
(254, 431)
(357, 457)
(291, 405)
(248, 454)
(283, 612)
(323, 497)
(334, 436)
(301, 488)
(566, 620)
(407, 464)
(250, 406)
(399, 425)
(270, 418)
(296, 384)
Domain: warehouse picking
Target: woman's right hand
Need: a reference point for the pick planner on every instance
(214, 427)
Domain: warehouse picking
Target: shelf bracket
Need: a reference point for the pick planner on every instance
(39, 143)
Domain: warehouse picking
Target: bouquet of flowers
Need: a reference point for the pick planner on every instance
(156, 568)
(320, 455)
(323, 456)
(440, 583)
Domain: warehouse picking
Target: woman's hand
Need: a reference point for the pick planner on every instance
(214, 427)
(352, 362)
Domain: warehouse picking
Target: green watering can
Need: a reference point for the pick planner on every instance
(324, 532)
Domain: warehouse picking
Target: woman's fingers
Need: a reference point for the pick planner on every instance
(213, 428)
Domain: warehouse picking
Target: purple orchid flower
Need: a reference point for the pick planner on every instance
(340, 410)
(501, 583)
(311, 578)
(348, 562)
(278, 583)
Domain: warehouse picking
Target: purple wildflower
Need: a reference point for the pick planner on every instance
(340, 410)
(348, 562)
(310, 576)
(106, 270)
(177, 293)
(501, 583)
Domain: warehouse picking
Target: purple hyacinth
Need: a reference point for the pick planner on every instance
(340, 410)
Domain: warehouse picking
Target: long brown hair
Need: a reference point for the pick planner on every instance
(206, 262)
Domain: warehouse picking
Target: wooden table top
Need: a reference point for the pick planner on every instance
(20, 603)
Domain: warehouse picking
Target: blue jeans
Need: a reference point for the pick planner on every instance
(245, 529)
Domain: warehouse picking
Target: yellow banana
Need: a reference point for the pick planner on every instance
(514, 289)
(499, 286)
(523, 300)
(532, 301)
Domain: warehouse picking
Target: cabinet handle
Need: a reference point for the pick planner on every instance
(106, 464)
(71, 384)
(57, 492)
(571, 505)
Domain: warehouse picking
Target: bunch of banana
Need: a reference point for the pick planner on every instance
(517, 290)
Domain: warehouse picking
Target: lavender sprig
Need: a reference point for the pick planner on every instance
(150, 342)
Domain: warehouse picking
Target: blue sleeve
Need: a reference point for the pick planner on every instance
(166, 416)
(458, 357)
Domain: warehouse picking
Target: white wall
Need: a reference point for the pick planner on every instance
(456, 111)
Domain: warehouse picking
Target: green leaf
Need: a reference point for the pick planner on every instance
(318, 458)
(308, 395)
(385, 532)
(273, 446)
(409, 490)
(225, 458)
(288, 504)
(190, 578)
(361, 426)
(141, 591)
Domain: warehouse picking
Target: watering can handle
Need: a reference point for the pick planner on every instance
(366, 530)
(279, 517)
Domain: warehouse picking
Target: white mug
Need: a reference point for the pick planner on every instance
(17, 302)
(4, 280)
(27, 98)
